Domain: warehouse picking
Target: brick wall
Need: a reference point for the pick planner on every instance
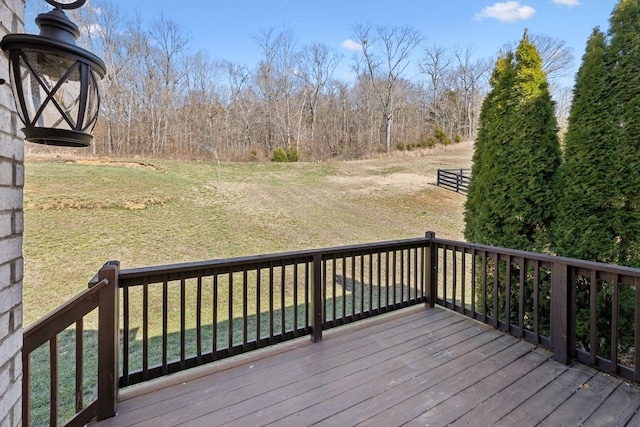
(11, 226)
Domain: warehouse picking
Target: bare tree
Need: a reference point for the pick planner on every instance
(385, 53)
(318, 65)
(470, 74)
(160, 99)
(279, 80)
(105, 31)
(199, 105)
(563, 97)
(435, 64)
(240, 102)
(167, 41)
(265, 77)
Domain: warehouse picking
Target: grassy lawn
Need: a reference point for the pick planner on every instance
(80, 214)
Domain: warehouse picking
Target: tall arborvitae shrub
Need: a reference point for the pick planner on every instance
(585, 218)
(511, 196)
(496, 111)
(624, 61)
(598, 216)
(584, 225)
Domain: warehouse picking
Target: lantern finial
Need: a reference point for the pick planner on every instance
(66, 5)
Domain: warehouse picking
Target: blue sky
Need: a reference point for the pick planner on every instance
(226, 28)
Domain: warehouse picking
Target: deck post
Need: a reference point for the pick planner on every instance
(560, 310)
(108, 339)
(636, 375)
(316, 303)
(431, 269)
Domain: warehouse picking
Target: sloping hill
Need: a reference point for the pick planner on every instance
(79, 213)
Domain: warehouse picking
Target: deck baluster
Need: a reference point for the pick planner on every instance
(317, 280)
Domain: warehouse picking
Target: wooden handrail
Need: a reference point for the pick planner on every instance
(45, 331)
(572, 262)
(494, 304)
(332, 286)
(61, 318)
(102, 296)
(190, 269)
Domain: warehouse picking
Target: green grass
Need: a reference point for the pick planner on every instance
(79, 215)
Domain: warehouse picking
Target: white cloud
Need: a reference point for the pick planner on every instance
(569, 3)
(351, 45)
(509, 11)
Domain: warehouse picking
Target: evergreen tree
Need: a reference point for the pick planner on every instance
(511, 194)
(584, 225)
(496, 109)
(598, 216)
(624, 62)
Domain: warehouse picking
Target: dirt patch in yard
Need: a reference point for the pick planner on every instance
(105, 162)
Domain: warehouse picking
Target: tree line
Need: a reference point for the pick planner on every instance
(580, 202)
(161, 99)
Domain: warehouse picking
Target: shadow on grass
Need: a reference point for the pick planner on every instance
(41, 377)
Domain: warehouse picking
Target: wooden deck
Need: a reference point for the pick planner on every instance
(419, 367)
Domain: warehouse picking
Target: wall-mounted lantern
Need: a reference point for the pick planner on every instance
(55, 82)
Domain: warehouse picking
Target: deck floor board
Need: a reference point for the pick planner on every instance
(547, 400)
(420, 367)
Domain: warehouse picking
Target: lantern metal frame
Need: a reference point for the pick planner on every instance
(40, 99)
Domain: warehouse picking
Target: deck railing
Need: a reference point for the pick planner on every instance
(176, 317)
(46, 342)
(580, 310)
(179, 316)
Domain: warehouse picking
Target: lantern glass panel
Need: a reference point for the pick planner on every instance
(16, 89)
(93, 102)
(53, 97)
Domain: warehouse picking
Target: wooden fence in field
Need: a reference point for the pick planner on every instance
(454, 179)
